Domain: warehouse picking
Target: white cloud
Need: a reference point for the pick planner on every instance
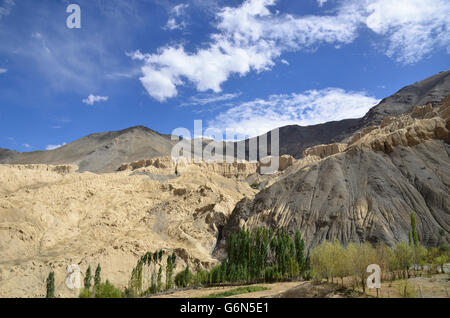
(3, 70)
(26, 145)
(91, 99)
(284, 62)
(6, 7)
(176, 14)
(210, 98)
(309, 108)
(413, 28)
(249, 38)
(321, 2)
(173, 25)
(53, 147)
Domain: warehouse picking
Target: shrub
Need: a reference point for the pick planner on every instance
(107, 290)
(183, 278)
(406, 290)
(85, 293)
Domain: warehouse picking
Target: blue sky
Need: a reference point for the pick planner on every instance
(248, 65)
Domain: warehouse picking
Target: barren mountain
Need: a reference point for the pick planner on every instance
(363, 188)
(295, 139)
(52, 216)
(366, 190)
(101, 152)
(105, 152)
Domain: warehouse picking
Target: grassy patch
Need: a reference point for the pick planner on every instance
(238, 291)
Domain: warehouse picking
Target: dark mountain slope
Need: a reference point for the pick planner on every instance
(295, 139)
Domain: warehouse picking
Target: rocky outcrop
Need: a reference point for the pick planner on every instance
(323, 151)
(238, 170)
(359, 195)
(52, 217)
(366, 192)
(424, 123)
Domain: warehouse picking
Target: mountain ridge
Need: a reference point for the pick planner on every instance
(106, 151)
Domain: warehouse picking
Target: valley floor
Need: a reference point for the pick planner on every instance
(435, 286)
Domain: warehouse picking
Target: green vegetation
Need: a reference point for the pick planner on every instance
(171, 260)
(266, 256)
(331, 259)
(97, 278)
(50, 285)
(107, 290)
(238, 291)
(415, 237)
(102, 290)
(88, 278)
(406, 290)
(183, 278)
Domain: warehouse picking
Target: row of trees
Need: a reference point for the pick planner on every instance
(146, 276)
(253, 256)
(265, 255)
(99, 289)
(331, 260)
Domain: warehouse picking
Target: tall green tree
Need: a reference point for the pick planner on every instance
(171, 260)
(300, 251)
(51, 285)
(414, 234)
(97, 278)
(88, 278)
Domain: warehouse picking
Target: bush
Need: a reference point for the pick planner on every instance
(183, 278)
(406, 290)
(107, 290)
(308, 275)
(85, 293)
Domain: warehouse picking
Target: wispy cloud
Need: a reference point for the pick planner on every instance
(250, 37)
(26, 146)
(176, 20)
(3, 70)
(412, 28)
(6, 7)
(210, 99)
(308, 108)
(91, 99)
(321, 2)
(53, 147)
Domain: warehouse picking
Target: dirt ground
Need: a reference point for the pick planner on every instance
(273, 290)
(436, 286)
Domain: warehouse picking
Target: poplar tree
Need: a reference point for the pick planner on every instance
(300, 251)
(97, 278)
(88, 278)
(51, 285)
(414, 234)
